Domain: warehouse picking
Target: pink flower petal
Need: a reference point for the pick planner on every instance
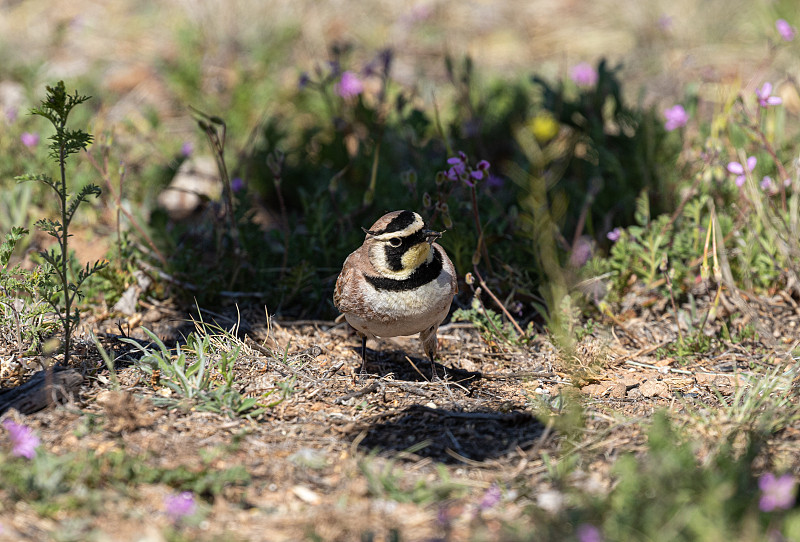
(584, 74)
(349, 85)
(786, 30)
(735, 168)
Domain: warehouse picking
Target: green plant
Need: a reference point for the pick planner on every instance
(386, 481)
(15, 207)
(488, 323)
(666, 492)
(653, 494)
(23, 313)
(53, 483)
(746, 333)
(688, 347)
(602, 171)
(761, 405)
(56, 108)
(586, 330)
(201, 372)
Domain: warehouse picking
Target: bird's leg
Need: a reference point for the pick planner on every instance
(430, 345)
(363, 369)
(434, 374)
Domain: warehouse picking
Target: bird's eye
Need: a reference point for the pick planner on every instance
(395, 241)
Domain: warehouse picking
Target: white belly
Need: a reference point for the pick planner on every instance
(405, 312)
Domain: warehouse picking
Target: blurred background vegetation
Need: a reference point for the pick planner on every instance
(305, 167)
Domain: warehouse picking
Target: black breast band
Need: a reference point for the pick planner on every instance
(424, 274)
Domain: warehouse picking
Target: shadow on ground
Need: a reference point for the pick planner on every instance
(413, 369)
(449, 436)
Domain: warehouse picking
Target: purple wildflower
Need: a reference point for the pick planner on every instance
(180, 506)
(29, 139)
(237, 183)
(303, 80)
(23, 440)
(11, 114)
(349, 85)
(588, 533)
(676, 117)
(458, 166)
(776, 493)
(491, 498)
(461, 170)
(786, 30)
(481, 168)
(739, 170)
(767, 184)
(614, 234)
(584, 75)
(474, 176)
(765, 97)
(187, 148)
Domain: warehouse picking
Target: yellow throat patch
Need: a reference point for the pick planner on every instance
(416, 256)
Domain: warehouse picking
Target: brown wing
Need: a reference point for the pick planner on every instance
(447, 265)
(345, 289)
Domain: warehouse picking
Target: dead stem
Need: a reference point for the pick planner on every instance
(497, 301)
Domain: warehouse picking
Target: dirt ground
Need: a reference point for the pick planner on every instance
(344, 458)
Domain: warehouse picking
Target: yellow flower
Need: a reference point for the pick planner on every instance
(543, 127)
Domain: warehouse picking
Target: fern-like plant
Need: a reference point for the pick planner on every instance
(62, 295)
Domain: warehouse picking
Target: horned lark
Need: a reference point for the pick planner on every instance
(399, 282)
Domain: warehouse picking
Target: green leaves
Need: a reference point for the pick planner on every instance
(56, 108)
(55, 229)
(20, 308)
(46, 179)
(7, 247)
(88, 271)
(58, 104)
(83, 195)
(192, 372)
(67, 142)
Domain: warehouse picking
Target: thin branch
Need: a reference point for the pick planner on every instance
(497, 301)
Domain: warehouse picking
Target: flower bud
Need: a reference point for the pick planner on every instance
(447, 221)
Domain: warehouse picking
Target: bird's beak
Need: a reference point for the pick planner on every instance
(431, 236)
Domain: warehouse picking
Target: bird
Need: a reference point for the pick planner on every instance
(398, 282)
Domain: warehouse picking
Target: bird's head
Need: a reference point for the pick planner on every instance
(399, 242)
